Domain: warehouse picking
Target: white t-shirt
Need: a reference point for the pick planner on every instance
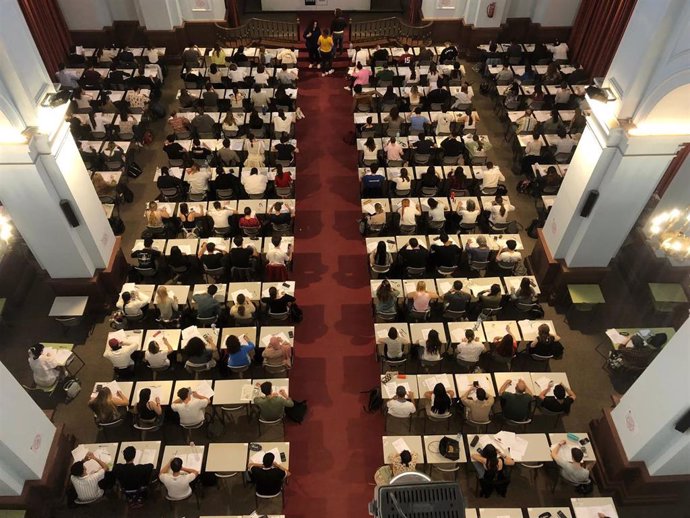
(563, 145)
(437, 214)
(178, 486)
(560, 51)
(403, 409)
(443, 122)
(490, 177)
(402, 185)
(276, 256)
(533, 147)
(509, 257)
(121, 358)
(282, 126)
(87, 486)
(220, 217)
(261, 78)
(407, 216)
(495, 211)
(469, 217)
(191, 413)
(158, 360)
(361, 56)
(44, 369)
(198, 182)
(255, 183)
(469, 352)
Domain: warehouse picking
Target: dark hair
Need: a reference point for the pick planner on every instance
(559, 391)
(176, 464)
(268, 460)
(195, 347)
(212, 289)
(511, 244)
(266, 388)
(36, 350)
(457, 285)
(526, 287)
(392, 333)
(144, 398)
(577, 454)
(381, 254)
(183, 393)
(505, 346)
(153, 349)
(481, 394)
(272, 292)
(233, 344)
(129, 453)
(384, 291)
(495, 289)
(491, 455)
(441, 400)
(77, 469)
(433, 342)
(405, 457)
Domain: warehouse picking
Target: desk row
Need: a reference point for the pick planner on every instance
(152, 71)
(523, 447)
(410, 141)
(226, 293)
(395, 244)
(216, 457)
(489, 331)
(240, 172)
(508, 284)
(222, 392)
(192, 246)
(260, 145)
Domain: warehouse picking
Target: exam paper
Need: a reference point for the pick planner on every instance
(400, 445)
(258, 457)
(615, 336)
(392, 385)
(249, 392)
(120, 335)
(369, 209)
(79, 453)
(145, 456)
(60, 355)
(204, 389)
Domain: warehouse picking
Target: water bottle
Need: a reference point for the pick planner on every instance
(479, 321)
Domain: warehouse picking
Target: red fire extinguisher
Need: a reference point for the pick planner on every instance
(491, 9)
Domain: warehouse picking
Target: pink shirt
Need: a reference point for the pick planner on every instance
(421, 300)
(362, 76)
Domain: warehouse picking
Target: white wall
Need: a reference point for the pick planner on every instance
(555, 13)
(86, 14)
(122, 9)
(519, 9)
(648, 411)
(217, 11)
(549, 13)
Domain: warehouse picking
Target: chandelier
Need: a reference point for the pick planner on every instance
(670, 229)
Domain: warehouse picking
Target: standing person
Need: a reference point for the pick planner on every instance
(311, 38)
(338, 26)
(325, 42)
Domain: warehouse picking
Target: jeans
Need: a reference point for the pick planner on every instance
(338, 41)
(326, 60)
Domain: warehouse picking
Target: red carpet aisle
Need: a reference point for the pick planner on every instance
(335, 452)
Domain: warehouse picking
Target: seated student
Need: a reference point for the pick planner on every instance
(457, 180)
(429, 179)
(570, 461)
(168, 181)
(106, 407)
(403, 182)
(256, 122)
(173, 149)
(456, 299)
(545, 344)
(414, 96)
(227, 156)
(468, 212)
(553, 124)
(206, 303)
(494, 474)
(44, 366)
(394, 151)
(133, 304)
(254, 183)
(452, 147)
(211, 257)
(259, 98)
(210, 97)
(243, 307)
(275, 303)
(133, 478)
(470, 348)
(525, 294)
(498, 211)
(287, 56)
(120, 353)
(381, 257)
(436, 212)
(157, 358)
(514, 50)
(418, 122)
(167, 306)
(490, 177)
(532, 153)
(421, 298)
(562, 95)
(276, 256)
(439, 95)
(379, 55)
(282, 124)
(463, 98)
(190, 406)
(564, 143)
(578, 122)
(505, 75)
(88, 485)
(240, 353)
(249, 220)
(268, 476)
(386, 297)
(403, 462)
(504, 348)
(278, 352)
(378, 217)
(385, 74)
(199, 352)
(552, 75)
(220, 215)
(561, 401)
(285, 151)
(491, 298)
(363, 101)
(179, 261)
(478, 148)
(537, 98)
(402, 405)
(448, 54)
(241, 256)
(370, 152)
(393, 347)
(394, 121)
(199, 151)
(477, 403)
(446, 254)
(187, 100)
(282, 179)
(177, 479)
(516, 405)
(551, 180)
(197, 179)
(439, 400)
(271, 405)
(413, 255)
(218, 56)
(280, 213)
(372, 183)
(478, 252)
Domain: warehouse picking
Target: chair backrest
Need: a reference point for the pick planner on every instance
(454, 315)
(420, 315)
(387, 317)
(479, 160)
(251, 231)
(436, 225)
(284, 192)
(446, 271)
(206, 321)
(224, 194)
(540, 358)
(243, 368)
(146, 272)
(479, 265)
(422, 159)
(468, 226)
(170, 192)
(408, 229)
(196, 196)
(412, 271)
(377, 268)
(279, 316)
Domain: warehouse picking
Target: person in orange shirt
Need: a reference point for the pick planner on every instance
(325, 43)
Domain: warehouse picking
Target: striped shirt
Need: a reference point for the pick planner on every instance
(87, 486)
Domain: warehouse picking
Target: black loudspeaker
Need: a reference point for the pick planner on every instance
(69, 213)
(684, 423)
(592, 198)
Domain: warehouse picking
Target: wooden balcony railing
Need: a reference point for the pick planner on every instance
(258, 31)
(389, 30)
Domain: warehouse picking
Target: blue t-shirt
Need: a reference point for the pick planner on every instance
(241, 357)
(372, 181)
(417, 123)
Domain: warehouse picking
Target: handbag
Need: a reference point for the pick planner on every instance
(449, 448)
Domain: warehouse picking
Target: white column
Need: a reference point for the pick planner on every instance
(86, 14)
(25, 437)
(159, 15)
(40, 164)
(647, 413)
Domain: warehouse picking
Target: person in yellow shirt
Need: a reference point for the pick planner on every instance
(325, 43)
(218, 57)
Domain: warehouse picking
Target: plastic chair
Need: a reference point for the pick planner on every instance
(454, 316)
(278, 316)
(188, 429)
(437, 418)
(377, 270)
(445, 271)
(239, 370)
(265, 422)
(198, 368)
(145, 428)
(401, 420)
(224, 194)
(415, 272)
(383, 316)
(479, 266)
(213, 273)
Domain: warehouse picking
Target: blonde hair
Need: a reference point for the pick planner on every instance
(162, 294)
(421, 286)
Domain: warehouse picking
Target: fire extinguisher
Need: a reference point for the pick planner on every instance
(491, 9)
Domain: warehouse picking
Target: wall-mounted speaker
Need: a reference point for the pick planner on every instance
(69, 213)
(683, 423)
(592, 198)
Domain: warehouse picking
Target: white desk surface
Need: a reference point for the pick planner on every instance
(417, 331)
(141, 445)
(252, 288)
(283, 447)
(110, 447)
(68, 306)
(501, 377)
(280, 286)
(424, 380)
(125, 386)
(164, 387)
(250, 331)
(457, 331)
(269, 331)
(158, 244)
(497, 328)
(133, 336)
(227, 457)
(558, 378)
(180, 290)
(434, 457)
(504, 512)
(477, 284)
(535, 512)
(173, 451)
(513, 281)
(464, 381)
(408, 380)
(589, 450)
(410, 285)
(414, 445)
(529, 328)
(381, 331)
(229, 392)
(584, 507)
(157, 335)
(191, 384)
(199, 289)
(278, 384)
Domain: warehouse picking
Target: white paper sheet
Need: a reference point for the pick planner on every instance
(204, 389)
(425, 333)
(244, 292)
(91, 466)
(79, 453)
(249, 392)
(156, 392)
(120, 335)
(444, 287)
(61, 356)
(145, 456)
(392, 385)
(431, 382)
(369, 209)
(128, 286)
(615, 336)
(400, 445)
(258, 457)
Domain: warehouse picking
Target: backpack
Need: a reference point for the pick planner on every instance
(117, 225)
(484, 88)
(71, 386)
(134, 170)
(126, 193)
(375, 401)
(363, 226)
(449, 448)
(524, 186)
(296, 314)
(297, 412)
(586, 488)
(532, 229)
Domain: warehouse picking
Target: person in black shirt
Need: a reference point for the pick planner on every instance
(275, 303)
(279, 214)
(456, 299)
(338, 29)
(133, 478)
(238, 57)
(147, 257)
(226, 180)
(440, 94)
(379, 55)
(199, 151)
(117, 77)
(125, 55)
(447, 254)
(452, 146)
(429, 178)
(450, 53)
(167, 181)
(515, 50)
(285, 150)
(414, 255)
(173, 149)
(561, 401)
(268, 476)
(540, 53)
(240, 255)
(211, 258)
(423, 146)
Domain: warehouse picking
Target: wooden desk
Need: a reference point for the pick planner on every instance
(585, 294)
(282, 447)
(588, 507)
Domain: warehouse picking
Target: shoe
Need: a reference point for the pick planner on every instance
(324, 74)
(311, 65)
(331, 71)
(346, 88)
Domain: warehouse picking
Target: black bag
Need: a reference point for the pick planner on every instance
(484, 88)
(297, 413)
(375, 401)
(558, 350)
(134, 170)
(585, 489)
(126, 193)
(296, 314)
(524, 186)
(532, 229)
(449, 448)
(501, 190)
(117, 225)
